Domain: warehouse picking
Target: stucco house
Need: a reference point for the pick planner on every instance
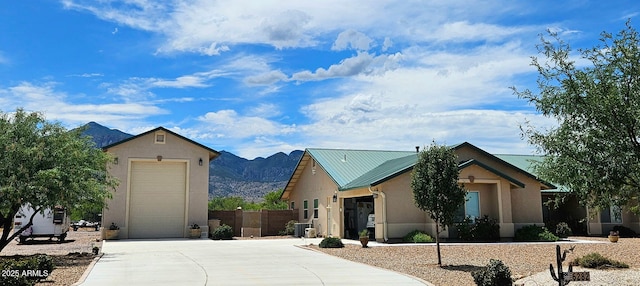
(336, 191)
(164, 180)
(582, 220)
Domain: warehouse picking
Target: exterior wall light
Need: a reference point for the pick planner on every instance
(335, 197)
(200, 162)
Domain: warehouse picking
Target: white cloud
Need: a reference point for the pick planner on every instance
(213, 27)
(363, 63)
(233, 125)
(352, 39)
(266, 78)
(58, 106)
(464, 31)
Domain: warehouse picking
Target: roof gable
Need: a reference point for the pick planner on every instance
(212, 153)
(344, 166)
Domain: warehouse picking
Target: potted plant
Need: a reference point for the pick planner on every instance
(613, 236)
(112, 232)
(364, 237)
(194, 231)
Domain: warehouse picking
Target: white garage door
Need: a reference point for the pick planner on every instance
(158, 194)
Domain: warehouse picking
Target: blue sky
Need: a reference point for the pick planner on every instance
(259, 77)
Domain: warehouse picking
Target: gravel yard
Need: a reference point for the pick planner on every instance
(527, 261)
(524, 260)
(71, 257)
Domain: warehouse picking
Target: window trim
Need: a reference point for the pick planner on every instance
(316, 204)
(160, 137)
(305, 212)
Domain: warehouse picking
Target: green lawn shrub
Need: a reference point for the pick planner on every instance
(624, 231)
(563, 230)
(222, 232)
(534, 233)
(495, 273)
(479, 229)
(289, 228)
(417, 236)
(331, 242)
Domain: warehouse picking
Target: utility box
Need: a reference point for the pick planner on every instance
(299, 230)
(310, 232)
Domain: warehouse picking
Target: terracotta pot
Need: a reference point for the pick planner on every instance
(613, 238)
(364, 241)
(111, 234)
(195, 233)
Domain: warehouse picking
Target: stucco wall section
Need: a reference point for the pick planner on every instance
(317, 185)
(145, 148)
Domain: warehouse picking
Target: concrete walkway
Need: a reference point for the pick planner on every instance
(232, 262)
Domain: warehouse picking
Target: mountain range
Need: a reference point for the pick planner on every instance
(229, 175)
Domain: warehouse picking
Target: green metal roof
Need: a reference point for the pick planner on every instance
(383, 172)
(345, 166)
(524, 162)
(486, 167)
(351, 169)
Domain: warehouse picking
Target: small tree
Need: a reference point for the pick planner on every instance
(594, 151)
(44, 165)
(434, 181)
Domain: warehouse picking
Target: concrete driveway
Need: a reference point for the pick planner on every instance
(232, 262)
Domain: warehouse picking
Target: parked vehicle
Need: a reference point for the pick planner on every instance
(50, 223)
(84, 223)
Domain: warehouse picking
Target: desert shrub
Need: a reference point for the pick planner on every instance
(480, 229)
(289, 228)
(25, 270)
(486, 229)
(534, 233)
(563, 230)
(417, 236)
(595, 260)
(223, 232)
(494, 274)
(624, 231)
(465, 229)
(331, 242)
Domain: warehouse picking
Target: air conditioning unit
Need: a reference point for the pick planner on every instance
(300, 229)
(310, 232)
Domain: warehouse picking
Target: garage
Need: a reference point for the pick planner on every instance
(158, 196)
(164, 186)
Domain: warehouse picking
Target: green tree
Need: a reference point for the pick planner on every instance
(272, 201)
(231, 203)
(594, 95)
(435, 186)
(44, 165)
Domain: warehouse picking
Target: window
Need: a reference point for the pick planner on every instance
(315, 208)
(471, 208)
(306, 209)
(612, 214)
(160, 138)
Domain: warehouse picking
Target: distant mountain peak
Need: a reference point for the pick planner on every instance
(102, 135)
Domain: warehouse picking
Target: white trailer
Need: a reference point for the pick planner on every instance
(50, 223)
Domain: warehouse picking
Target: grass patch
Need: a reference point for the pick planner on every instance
(597, 261)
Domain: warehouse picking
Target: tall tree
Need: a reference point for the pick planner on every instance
(435, 186)
(44, 165)
(594, 95)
